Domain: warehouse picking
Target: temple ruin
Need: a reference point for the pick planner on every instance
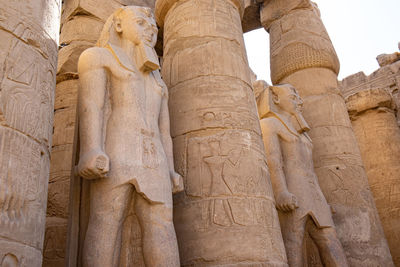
(227, 213)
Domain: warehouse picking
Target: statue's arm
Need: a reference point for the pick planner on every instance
(93, 162)
(274, 157)
(164, 125)
(285, 201)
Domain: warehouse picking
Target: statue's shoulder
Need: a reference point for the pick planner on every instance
(270, 125)
(93, 58)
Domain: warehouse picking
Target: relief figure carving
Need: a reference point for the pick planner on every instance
(301, 205)
(126, 147)
(235, 196)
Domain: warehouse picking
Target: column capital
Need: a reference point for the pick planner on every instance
(162, 8)
(368, 99)
(272, 10)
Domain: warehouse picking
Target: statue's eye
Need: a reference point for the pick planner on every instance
(140, 22)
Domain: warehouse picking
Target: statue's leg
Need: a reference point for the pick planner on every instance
(160, 248)
(293, 229)
(329, 246)
(108, 204)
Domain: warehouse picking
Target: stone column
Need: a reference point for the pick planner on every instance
(374, 123)
(226, 216)
(28, 59)
(302, 54)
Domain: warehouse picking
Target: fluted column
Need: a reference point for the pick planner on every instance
(302, 54)
(226, 216)
(374, 123)
(28, 61)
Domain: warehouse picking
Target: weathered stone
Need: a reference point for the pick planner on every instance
(303, 209)
(251, 16)
(65, 131)
(15, 254)
(66, 95)
(302, 55)
(388, 59)
(29, 34)
(378, 136)
(82, 21)
(126, 148)
(55, 242)
(298, 38)
(81, 28)
(226, 215)
(60, 173)
(101, 9)
(387, 77)
(69, 55)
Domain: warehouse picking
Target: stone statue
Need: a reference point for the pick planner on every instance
(125, 142)
(301, 204)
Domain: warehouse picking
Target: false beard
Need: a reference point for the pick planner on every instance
(301, 125)
(147, 58)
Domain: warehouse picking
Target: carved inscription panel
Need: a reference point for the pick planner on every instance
(227, 193)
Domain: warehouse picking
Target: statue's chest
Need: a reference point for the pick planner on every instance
(297, 146)
(137, 91)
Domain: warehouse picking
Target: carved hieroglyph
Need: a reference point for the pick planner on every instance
(226, 215)
(302, 55)
(301, 204)
(28, 57)
(125, 142)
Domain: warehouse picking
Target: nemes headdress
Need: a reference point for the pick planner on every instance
(108, 35)
(264, 96)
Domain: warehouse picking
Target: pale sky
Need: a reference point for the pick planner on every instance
(359, 29)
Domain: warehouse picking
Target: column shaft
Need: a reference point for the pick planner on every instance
(302, 55)
(226, 216)
(28, 59)
(378, 136)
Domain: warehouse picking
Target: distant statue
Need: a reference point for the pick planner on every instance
(125, 142)
(301, 204)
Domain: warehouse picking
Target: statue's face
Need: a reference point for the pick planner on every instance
(138, 27)
(289, 100)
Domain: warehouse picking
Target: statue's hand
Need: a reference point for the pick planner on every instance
(286, 201)
(94, 164)
(177, 182)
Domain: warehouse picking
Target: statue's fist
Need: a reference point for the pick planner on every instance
(286, 201)
(94, 164)
(177, 182)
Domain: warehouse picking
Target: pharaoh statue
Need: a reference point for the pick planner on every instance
(301, 204)
(125, 142)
